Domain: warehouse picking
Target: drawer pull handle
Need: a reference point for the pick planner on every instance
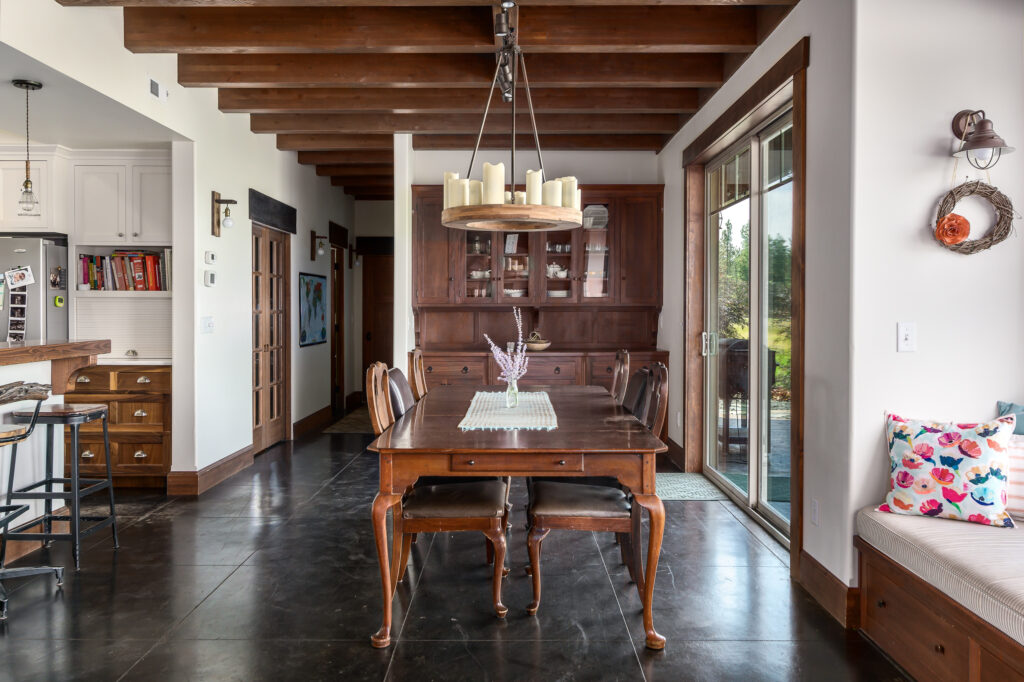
(561, 462)
(143, 380)
(558, 370)
(139, 454)
(471, 462)
(88, 454)
(608, 370)
(141, 413)
(881, 603)
(939, 649)
(131, 353)
(83, 380)
(465, 370)
(430, 368)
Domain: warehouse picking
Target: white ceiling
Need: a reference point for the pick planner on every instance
(68, 113)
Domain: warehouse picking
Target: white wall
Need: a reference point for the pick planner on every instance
(828, 305)
(405, 330)
(86, 44)
(967, 308)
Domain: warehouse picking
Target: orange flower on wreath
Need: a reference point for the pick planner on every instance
(952, 229)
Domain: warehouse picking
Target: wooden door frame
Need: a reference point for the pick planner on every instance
(286, 260)
(783, 82)
(338, 238)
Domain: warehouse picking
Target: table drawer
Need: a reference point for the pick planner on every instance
(140, 454)
(526, 462)
(159, 382)
(140, 413)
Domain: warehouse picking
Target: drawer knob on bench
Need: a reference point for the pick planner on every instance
(139, 454)
(141, 413)
(143, 380)
(881, 603)
(88, 454)
(939, 649)
(83, 380)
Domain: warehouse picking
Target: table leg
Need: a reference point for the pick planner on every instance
(656, 510)
(381, 504)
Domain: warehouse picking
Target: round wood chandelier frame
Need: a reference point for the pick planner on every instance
(511, 218)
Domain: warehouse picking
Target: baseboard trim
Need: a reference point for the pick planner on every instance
(19, 548)
(194, 483)
(676, 454)
(315, 422)
(841, 601)
(353, 400)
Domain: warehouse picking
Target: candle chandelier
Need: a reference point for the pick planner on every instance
(486, 204)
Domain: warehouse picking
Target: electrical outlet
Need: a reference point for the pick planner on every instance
(206, 325)
(906, 337)
(814, 512)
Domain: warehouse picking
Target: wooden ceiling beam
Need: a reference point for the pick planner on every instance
(381, 182)
(336, 170)
(349, 158)
(648, 142)
(453, 100)
(447, 70)
(320, 143)
(407, 3)
(462, 123)
(216, 30)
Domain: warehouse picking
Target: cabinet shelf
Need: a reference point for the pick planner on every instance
(97, 293)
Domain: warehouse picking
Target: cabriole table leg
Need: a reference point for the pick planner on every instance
(654, 507)
(381, 504)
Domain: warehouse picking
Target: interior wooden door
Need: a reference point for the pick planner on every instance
(378, 308)
(270, 297)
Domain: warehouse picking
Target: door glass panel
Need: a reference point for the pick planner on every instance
(257, 418)
(480, 275)
(557, 265)
(596, 251)
(515, 277)
(776, 354)
(256, 381)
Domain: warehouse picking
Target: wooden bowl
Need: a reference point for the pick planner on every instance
(537, 345)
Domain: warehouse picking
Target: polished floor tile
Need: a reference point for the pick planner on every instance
(273, 575)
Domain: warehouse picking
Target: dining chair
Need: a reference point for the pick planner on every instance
(417, 374)
(620, 376)
(445, 507)
(604, 508)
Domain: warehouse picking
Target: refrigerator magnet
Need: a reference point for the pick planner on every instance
(19, 277)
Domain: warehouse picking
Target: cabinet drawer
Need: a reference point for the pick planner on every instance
(140, 454)
(448, 371)
(601, 370)
(140, 413)
(92, 379)
(143, 381)
(91, 452)
(919, 639)
(551, 370)
(526, 462)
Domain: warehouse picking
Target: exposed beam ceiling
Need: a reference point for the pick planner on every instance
(334, 79)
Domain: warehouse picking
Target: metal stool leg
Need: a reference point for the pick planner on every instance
(10, 492)
(76, 499)
(48, 504)
(110, 482)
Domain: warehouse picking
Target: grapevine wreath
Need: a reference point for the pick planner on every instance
(952, 230)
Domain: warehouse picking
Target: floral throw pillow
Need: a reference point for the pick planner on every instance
(951, 470)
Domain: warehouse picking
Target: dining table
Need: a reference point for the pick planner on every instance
(594, 437)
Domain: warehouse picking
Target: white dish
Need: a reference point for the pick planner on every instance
(558, 294)
(515, 293)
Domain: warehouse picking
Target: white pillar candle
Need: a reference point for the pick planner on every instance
(448, 176)
(476, 193)
(494, 183)
(579, 200)
(508, 197)
(458, 193)
(553, 193)
(534, 178)
(569, 192)
(520, 198)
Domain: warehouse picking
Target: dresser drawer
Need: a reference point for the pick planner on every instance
(91, 451)
(159, 382)
(442, 371)
(140, 454)
(601, 370)
(551, 370)
(93, 379)
(532, 463)
(140, 413)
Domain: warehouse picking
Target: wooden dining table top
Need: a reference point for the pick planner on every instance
(588, 421)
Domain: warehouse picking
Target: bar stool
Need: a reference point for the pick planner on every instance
(7, 514)
(73, 416)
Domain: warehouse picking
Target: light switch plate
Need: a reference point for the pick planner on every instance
(206, 325)
(210, 257)
(906, 337)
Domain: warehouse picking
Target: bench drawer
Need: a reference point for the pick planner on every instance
(533, 463)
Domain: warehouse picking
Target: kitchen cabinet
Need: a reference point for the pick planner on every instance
(12, 176)
(100, 196)
(151, 205)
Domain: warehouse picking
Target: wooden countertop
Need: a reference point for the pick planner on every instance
(41, 351)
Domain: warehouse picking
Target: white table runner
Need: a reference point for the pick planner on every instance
(489, 412)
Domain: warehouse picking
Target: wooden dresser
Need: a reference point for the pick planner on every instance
(139, 397)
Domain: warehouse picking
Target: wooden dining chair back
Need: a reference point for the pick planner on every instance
(620, 376)
(657, 399)
(399, 392)
(635, 397)
(378, 397)
(417, 375)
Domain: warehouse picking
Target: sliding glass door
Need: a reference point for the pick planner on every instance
(748, 313)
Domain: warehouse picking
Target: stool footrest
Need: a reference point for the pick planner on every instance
(101, 523)
(92, 485)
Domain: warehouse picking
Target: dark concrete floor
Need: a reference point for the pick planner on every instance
(273, 576)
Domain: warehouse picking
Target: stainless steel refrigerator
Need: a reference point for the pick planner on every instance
(39, 309)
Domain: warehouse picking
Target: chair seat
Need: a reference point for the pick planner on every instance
(484, 499)
(11, 430)
(58, 412)
(552, 498)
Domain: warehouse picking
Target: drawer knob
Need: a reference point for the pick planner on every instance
(939, 649)
(608, 370)
(881, 603)
(471, 462)
(465, 370)
(83, 380)
(430, 368)
(141, 413)
(558, 370)
(561, 462)
(139, 454)
(88, 454)
(143, 380)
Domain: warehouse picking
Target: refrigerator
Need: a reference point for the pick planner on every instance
(37, 311)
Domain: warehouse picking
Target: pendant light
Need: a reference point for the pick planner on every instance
(28, 200)
(487, 206)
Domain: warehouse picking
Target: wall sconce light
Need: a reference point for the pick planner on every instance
(227, 221)
(979, 143)
(317, 244)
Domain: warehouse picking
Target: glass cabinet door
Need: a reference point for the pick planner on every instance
(559, 275)
(516, 266)
(597, 245)
(481, 275)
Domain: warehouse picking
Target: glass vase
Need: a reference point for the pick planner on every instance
(512, 394)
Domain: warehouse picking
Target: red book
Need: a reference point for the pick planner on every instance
(120, 282)
(151, 277)
(138, 273)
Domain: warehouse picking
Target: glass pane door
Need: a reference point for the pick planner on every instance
(480, 274)
(558, 275)
(597, 245)
(515, 272)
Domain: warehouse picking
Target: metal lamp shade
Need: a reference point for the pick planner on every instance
(982, 146)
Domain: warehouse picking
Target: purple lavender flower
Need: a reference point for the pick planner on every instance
(513, 365)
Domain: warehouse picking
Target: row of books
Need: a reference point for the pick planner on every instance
(126, 270)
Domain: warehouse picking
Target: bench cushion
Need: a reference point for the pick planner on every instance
(981, 567)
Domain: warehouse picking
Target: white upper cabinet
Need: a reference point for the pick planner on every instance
(12, 175)
(101, 204)
(151, 205)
